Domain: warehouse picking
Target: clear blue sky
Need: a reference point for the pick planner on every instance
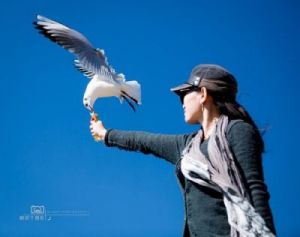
(47, 154)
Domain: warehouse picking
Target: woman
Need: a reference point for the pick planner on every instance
(219, 167)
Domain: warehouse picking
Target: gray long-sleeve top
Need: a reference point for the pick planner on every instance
(205, 213)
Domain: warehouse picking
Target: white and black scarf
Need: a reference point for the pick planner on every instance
(219, 172)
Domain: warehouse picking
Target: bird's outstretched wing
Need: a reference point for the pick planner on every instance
(90, 61)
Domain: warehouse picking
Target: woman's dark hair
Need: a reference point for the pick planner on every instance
(223, 91)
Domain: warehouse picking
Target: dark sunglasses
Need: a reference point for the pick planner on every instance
(183, 93)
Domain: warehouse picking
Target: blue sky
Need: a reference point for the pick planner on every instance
(48, 157)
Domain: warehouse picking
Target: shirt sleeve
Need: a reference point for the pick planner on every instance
(243, 141)
(168, 147)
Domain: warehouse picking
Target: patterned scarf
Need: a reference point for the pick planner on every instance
(220, 173)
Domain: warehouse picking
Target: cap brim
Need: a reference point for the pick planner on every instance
(181, 88)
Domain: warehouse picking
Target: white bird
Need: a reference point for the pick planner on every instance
(105, 82)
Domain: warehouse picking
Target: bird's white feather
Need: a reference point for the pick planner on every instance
(92, 62)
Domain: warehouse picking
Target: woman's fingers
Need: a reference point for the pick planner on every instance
(97, 129)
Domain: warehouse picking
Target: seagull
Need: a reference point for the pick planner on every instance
(92, 62)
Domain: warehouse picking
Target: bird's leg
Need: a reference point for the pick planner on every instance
(127, 97)
(129, 102)
(130, 97)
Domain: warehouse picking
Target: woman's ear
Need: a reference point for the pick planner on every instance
(203, 95)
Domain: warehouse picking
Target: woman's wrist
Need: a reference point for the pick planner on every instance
(102, 135)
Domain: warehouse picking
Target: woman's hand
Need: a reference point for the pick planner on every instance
(98, 131)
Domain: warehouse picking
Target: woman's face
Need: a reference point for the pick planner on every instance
(192, 107)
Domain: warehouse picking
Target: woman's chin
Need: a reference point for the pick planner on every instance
(190, 120)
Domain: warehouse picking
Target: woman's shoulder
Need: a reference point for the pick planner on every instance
(244, 141)
(237, 124)
(239, 129)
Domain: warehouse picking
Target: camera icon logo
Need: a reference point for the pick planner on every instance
(37, 210)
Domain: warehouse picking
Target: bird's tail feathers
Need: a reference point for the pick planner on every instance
(132, 89)
(131, 93)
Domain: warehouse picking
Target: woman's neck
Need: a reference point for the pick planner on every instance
(210, 118)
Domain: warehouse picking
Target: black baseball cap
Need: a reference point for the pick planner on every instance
(207, 71)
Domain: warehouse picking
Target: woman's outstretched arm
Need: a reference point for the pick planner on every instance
(168, 147)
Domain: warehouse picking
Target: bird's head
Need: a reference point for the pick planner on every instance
(88, 103)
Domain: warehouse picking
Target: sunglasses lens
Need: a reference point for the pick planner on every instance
(182, 97)
(183, 93)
